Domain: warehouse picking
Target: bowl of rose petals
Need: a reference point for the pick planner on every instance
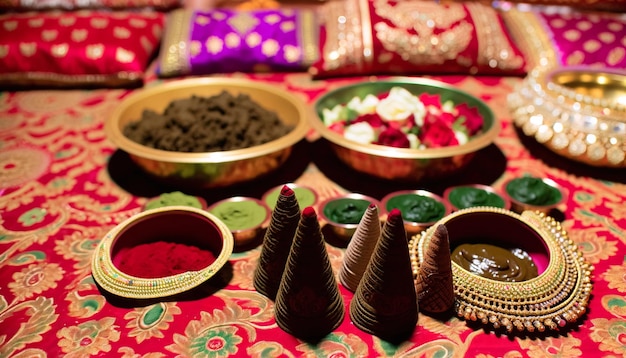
(404, 129)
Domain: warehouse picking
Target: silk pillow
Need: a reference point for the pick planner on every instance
(361, 37)
(84, 48)
(570, 38)
(231, 40)
(24, 5)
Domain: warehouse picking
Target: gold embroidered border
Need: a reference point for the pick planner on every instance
(531, 37)
(366, 31)
(174, 59)
(308, 37)
(494, 49)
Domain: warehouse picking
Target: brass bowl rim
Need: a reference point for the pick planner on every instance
(478, 142)
(115, 281)
(357, 196)
(117, 137)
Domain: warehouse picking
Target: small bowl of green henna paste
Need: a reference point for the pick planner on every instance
(532, 193)
(344, 213)
(420, 208)
(474, 195)
(245, 217)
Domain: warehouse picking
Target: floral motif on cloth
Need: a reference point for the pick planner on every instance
(86, 4)
(227, 40)
(95, 48)
(570, 38)
(411, 37)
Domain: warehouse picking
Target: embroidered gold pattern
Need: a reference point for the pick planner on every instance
(28, 49)
(253, 39)
(270, 47)
(214, 45)
(287, 26)
(36, 22)
(137, 23)
(344, 40)
(308, 40)
(4, 51)
(243, 22)
(533, 40)
(219, 16)
(121, 32)
(124, 56)
(67, 21)
(271, 19)
(195, 47)
(146, 44)
(99, 23)
(95, 51)
(232, 40)
(202, 20)
(292, 53)
(591, 45)
(606, 37)
(616, 56)
(423, 32)
(79, 35)
(572, 35)
(49, 35)
(60, 50)
(10, 25)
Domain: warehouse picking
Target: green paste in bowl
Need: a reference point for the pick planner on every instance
(417, 208)
(533, 191)
(467, 197)
(240, 213)
(345, 210)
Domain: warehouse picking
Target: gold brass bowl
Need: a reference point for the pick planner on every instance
(558, 296)
(187, 225)
(246, 217)
(520, 206)
(578, 113)
(491, 195)
(414, 227)
(345, 230)
(210, 169)
(404, 164)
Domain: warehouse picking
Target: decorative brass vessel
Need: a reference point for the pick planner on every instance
(558, 296)
(210, 169)
(404, 164)
(577, 112)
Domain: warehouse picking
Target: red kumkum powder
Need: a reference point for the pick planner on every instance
(162, 258)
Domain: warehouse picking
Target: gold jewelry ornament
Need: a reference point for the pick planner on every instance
(557, 296)
(577, 112)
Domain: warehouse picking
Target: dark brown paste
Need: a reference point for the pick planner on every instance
(495, 263)
(207, 124)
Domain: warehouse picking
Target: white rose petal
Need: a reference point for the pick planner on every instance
(360, 132)
(461, 137)
(414, 142)
(365, 106)
(399, 105)
(331, 116)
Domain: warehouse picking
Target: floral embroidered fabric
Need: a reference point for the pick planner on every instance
(412, 37)
(95, 48)
(22, 5)
(229, 40)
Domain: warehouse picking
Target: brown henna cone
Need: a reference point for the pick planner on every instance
(308, 304)
(277, 243)
(385, 302)
(434, 284)
(360, 249)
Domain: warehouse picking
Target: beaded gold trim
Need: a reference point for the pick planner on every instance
(589, 129)
(112, 280)
(558, 296)
(176, 46)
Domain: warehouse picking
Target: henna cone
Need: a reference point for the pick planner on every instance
(277, 243)
(385, 302)
(360, 249)
(434, 285)
(308, 303)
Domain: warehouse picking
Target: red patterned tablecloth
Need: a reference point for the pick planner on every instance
(63, 186)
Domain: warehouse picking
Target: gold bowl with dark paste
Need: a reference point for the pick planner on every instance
(513, 272)
(213, 168)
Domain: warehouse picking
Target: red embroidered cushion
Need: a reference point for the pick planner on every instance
(110, 49)
(413, 37)
(22, 5)
(570, 38)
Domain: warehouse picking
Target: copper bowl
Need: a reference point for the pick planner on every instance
(209, 169)
(403, 164)
(520, 206)
(186, 225)
(344, 230)
(415, 227)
